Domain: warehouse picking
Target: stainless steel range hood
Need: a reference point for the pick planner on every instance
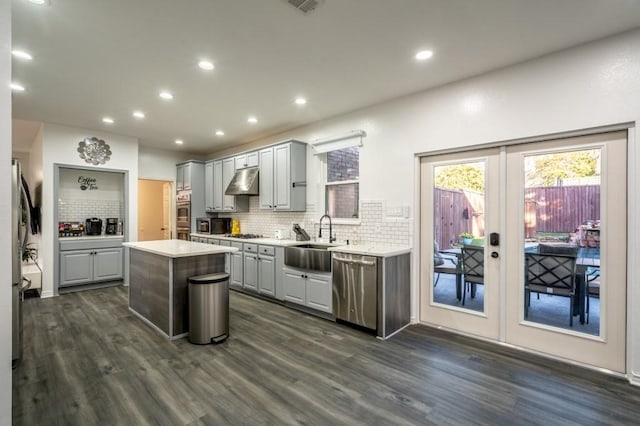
(244, 182)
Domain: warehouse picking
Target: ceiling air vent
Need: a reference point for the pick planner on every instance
(305, 6)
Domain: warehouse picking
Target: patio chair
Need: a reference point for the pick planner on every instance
(553, 274)
(443, 264)
(592, 278)
(473, 267)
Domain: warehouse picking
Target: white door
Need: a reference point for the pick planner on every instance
(456, 199)
(561, 200)
(594, 208)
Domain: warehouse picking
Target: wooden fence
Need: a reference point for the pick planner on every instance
(555, 209)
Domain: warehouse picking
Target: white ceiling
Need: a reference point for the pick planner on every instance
(96, 58)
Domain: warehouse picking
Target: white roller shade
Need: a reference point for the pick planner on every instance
(353, 138)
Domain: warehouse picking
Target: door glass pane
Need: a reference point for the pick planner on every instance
(562, 231)
(459, 200)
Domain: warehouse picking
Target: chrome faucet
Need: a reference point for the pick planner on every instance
(331, 237)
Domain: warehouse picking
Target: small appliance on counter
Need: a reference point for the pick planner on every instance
(213, 225)
(70, 229)
(111, 227)
(93, 226)
(281, 234)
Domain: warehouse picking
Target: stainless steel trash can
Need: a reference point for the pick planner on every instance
(209, 308)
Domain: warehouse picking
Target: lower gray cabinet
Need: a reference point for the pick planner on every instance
(251, 271)
(107, 264)
(319, 292)
(308, 288)
(295, 286)
(76, 267)
(236, 266)
(267, 271)
(87, 266)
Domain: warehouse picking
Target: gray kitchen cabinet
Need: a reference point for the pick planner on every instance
(249, 159)
(183, 177)
(309, 289)
(76, 267)
(208, 186)
(319, 292)
(87, 266)
(108, 264)
(295, 286)
(266, 178)
(218, 197)
(236, 266)
(283, 174)
(190, 176)
(250, 257)
(267, 270)
(223, 171)
(228, 170)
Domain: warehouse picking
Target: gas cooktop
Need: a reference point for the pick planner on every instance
(244, 236)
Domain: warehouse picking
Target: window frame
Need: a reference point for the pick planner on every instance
(326, 183)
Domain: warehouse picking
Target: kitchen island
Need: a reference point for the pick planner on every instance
(158, 282)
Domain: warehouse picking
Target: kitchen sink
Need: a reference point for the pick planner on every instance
(312, 256)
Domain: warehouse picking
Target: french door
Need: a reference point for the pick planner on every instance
(556, 200)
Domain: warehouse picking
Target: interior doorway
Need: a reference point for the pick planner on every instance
(526, 244)
(154, 209)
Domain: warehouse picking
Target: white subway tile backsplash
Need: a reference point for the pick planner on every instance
(77, 210)
(374, 228)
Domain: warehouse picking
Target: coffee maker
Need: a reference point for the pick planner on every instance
(93, 226)
(111, 228)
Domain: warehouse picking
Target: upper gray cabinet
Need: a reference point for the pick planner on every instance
(283, 174)
(208, 187)
(190, 176)
(218, 194)
(183, 176)
(222, 172)
(266, 178)
(249, 159)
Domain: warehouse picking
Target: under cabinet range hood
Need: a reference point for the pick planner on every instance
(244, 182)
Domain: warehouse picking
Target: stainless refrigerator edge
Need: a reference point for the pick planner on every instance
(17, 241)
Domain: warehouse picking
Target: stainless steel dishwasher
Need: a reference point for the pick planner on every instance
(355, 289)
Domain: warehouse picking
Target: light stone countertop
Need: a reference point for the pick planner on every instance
(372, 250)
(365, 249)
(92, 237)
(269, 241)
(178, 248)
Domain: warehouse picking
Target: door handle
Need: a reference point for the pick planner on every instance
(494, 254)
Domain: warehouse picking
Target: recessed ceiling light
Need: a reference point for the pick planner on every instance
(107, 120)
(423, 55)
(40, 1)
(300, 101)
(252, 120)
(179, 141)
(206, 65)
(166, 95)
(16, 87)
(138, 114)
(21, 54)
(219, 133)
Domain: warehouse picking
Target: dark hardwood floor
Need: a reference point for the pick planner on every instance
(88, 360)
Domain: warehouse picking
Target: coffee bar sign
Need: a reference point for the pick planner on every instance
(88, 183)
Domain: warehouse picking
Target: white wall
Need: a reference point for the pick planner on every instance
(59, 146)
(589, 86)
(159, 164)
(5, 212)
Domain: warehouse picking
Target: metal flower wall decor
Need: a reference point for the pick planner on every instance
(94, 151)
